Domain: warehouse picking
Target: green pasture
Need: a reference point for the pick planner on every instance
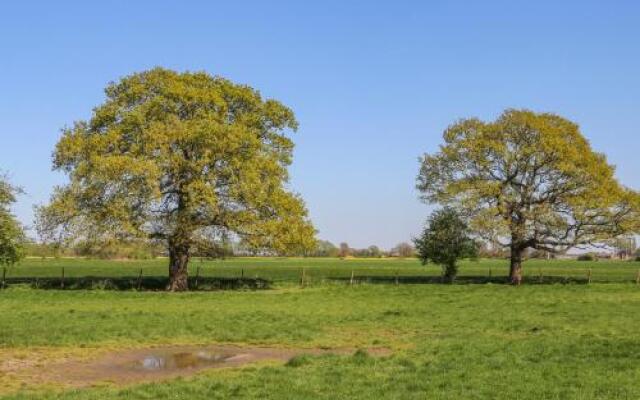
(318, 270)
(448, 341)
(462, 341)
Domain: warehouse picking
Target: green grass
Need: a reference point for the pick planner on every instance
(483, 341)
(281, 270)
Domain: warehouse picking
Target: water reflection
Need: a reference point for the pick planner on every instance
(180, 360)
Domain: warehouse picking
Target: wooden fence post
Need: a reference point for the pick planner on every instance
(589, 277)
(195, 284)
(4, 276)
(139, 285)
(62, 280)
(302, 276)
(352, 276)
(540, 275)
(397, 279)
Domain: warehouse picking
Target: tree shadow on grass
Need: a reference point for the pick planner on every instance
(134, 283)
(217, 283)
(461, 280)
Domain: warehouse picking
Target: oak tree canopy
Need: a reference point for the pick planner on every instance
(528, 180)
(177, 156)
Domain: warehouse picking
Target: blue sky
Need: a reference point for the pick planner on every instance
(373, 85)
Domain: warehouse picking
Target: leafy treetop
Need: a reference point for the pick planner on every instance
(528, 180)
(175, 156)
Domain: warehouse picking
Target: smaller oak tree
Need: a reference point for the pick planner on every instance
(528, 181)
(444, 241)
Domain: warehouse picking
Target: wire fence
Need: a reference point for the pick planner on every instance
(208, 277)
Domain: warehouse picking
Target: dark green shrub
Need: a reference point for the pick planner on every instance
(444, 241)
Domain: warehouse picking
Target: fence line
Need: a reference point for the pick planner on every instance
(216, 277)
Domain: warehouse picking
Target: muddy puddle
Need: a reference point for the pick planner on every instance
(153, 364)
(167, 361)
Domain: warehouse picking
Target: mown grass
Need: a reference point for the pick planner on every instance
(449, 341)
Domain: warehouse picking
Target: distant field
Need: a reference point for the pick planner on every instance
(317, 270)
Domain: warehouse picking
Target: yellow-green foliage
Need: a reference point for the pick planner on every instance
(12, 237)
(531, 179)
(168, 155)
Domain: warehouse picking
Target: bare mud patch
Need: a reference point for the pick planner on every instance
(125, 367)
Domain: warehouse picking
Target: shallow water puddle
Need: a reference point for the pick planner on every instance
(180, 360)
(139, 365)
(153, 364)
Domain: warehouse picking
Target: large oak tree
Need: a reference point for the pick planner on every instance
(528, 180)
(177, 157)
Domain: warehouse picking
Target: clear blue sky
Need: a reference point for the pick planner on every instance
(373, 85)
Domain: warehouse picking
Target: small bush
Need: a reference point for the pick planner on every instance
(586, 257)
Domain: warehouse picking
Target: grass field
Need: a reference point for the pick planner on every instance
(287, 270)
(475, 341)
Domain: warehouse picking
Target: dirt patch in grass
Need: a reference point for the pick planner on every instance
(20, 368)
(125, 367)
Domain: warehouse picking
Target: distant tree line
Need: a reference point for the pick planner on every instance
(141, 249)
(204, 248)
(325, 248)
(132, 250)
(624, 248)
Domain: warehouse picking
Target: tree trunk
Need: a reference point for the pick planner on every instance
(449, 273)
(178, 274)
(515, 272)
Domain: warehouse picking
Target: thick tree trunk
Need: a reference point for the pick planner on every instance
(178, 274)
(515, 273)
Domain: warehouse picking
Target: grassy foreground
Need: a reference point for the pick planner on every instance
(471, 341)
(449, 341)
